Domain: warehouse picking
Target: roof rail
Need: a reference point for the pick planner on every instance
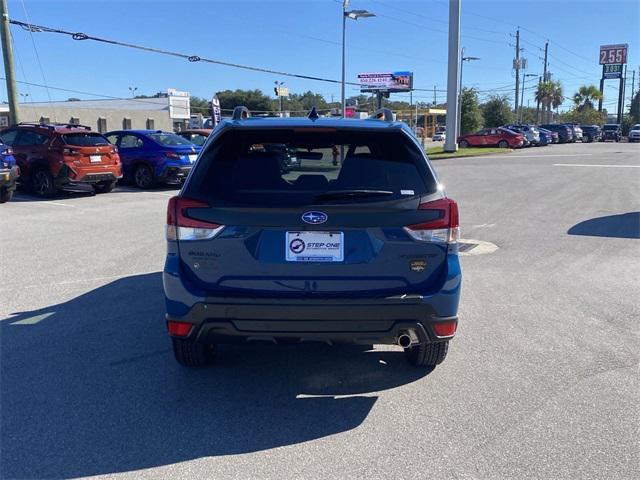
(382, 114)
(240, 113)
(53, 125)
(313, 114)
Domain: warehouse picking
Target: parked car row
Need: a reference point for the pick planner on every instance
(520, 135)
(44, 158)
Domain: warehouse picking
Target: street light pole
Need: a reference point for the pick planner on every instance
(354, 15)
(521, 113)
(462, 60)
(133, 91)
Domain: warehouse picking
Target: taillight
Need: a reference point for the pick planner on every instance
(179, 329)
(8, 151)
(181, 227)
(173, 155)
(114, 149)
(445, 228)
(445, 329)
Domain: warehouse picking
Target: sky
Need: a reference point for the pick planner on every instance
(304, 37)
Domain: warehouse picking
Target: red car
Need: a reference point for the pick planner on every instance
(492, 137)
(52, 156)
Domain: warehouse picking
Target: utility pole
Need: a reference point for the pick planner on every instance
(633, 85)
(7, 56)
(435, 98)
(601, 90)
(544, 77)
(623, 81)
(538, 103)
(517, 65)
(451, 144)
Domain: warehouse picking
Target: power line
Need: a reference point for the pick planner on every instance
(35, 49)
(192, 58)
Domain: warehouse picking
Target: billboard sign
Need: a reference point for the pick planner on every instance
(612, 71)
(613, 54)
(386, 82)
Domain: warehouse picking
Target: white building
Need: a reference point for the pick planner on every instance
(171, 112)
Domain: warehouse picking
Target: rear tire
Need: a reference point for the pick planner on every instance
(42, 183)
(503, 144)
(192, 354)
(104, 187)
(5, 195)
(428, 354)
(143, 177)
(463, 144)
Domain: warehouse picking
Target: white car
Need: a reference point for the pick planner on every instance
(634, 133)
(439, 137)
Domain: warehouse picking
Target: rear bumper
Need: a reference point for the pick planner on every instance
(363, 321)
(8, 177)
(175, 174)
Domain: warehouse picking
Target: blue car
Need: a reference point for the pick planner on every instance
(150, 157)
(360, 245)
(546, 137)
(9, 173)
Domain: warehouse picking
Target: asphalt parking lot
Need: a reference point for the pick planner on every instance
(541, 381)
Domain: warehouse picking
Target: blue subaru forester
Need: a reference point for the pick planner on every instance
(357, 243)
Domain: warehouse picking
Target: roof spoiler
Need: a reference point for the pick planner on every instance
(241, 113)
(382, 114)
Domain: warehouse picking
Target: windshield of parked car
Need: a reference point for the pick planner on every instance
(636, 127)
(84, 139)
(170, 140)
(287, 167)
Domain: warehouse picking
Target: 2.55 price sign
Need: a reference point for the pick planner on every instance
(613, 54)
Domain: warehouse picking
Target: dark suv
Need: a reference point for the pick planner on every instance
(364, 250)
(611, 131)
(565, 133)
(591, 133)
(52, 156)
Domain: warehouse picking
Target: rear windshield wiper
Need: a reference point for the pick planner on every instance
(336, 194)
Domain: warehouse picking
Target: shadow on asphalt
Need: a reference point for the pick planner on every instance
(626, 225)
(90, 387)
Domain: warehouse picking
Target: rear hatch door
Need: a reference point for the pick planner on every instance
(332, 226)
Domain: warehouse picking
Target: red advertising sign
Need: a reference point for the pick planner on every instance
(610, 54)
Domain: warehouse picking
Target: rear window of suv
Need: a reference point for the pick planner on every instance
(285, 167)
(84, 139)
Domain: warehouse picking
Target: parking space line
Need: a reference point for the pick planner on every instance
(593, 165)
(59, 204)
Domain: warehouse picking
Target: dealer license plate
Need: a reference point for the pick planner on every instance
(314, 246)
(192, 158)
(95, 158)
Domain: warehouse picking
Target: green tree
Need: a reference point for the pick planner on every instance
(470, 114)
(200, 105)
(497, 111)
(586, 116)
(586, 96)
(634, 109)
(254, 100)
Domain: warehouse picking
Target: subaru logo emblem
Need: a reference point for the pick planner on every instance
(314, 218)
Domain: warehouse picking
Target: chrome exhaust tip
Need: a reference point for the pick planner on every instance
(404, 340)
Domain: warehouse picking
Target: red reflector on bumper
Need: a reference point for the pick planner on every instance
(445, 329)
(179, 329)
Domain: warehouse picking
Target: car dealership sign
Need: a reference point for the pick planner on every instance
(386, 82)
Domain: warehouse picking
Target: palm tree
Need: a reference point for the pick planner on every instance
(557, 96)
(585, 97)
(549, 94)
